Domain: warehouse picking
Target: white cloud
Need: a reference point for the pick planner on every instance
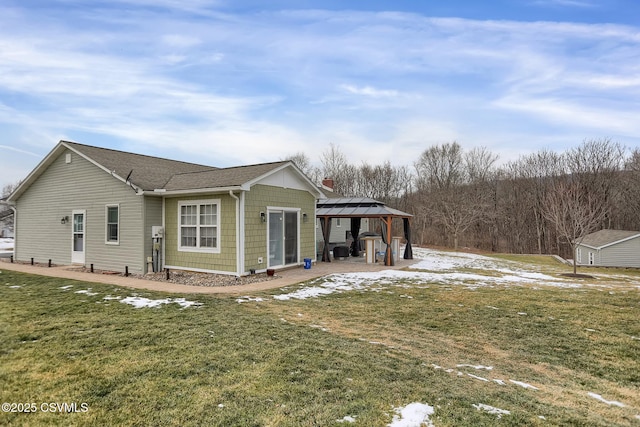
(370, 91)
(381, 85)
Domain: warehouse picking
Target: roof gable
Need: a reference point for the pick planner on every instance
(603, 238)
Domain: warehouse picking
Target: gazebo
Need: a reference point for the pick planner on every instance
(357, 208)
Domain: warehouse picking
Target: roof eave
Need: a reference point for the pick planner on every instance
(163, 192)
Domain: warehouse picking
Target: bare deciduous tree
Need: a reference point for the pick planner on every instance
(335, 166)
(303, 162)
(455, 186)
(574, 213)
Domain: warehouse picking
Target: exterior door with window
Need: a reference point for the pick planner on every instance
(78, 237)
(283, 237)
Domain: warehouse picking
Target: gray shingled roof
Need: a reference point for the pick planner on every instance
(603, 238)
(148, 173)
(219, 178)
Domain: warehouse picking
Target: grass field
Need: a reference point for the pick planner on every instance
(482, 341)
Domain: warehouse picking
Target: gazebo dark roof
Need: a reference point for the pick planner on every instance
(356, 207)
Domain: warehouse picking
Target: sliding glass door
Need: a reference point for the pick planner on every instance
(283, 237)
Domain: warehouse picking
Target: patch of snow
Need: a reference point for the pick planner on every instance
(6, 244)
(492, 307)
(522, 313)
(87, 292)
(635, 338)
(15, 287)
(589, 330)
(500, 382)
(248, 299)
(524, 385)
(603, 400)
(478, 378)
(109, 298)
(65, 288)
(413, 415)
(477, 367)
(491, 409)
(140, 302)
(438, 267)
(347, 419)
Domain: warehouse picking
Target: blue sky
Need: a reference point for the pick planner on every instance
(230, 82)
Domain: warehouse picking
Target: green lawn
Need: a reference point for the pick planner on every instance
(315, 361)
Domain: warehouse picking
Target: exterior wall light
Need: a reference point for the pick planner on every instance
(263, 217)
(64, 220)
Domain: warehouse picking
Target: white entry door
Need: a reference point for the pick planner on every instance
(78, 237)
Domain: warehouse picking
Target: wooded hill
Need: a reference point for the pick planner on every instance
(537, 204)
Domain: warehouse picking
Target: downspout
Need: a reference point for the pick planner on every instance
(15, 231)
(239, 261)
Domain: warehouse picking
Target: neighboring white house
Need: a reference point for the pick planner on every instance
(610, 248)
(6, 223)
(340, 227)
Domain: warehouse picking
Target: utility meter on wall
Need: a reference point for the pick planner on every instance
(157, 231)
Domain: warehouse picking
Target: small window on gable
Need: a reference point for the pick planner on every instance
(113, 224)
(338, 222)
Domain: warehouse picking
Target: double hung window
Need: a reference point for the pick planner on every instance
(199, 228)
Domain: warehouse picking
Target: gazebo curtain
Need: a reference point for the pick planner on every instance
(388, 254)
(408, 251)
(325, 223)
(355, 231)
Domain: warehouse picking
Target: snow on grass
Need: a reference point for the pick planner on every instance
(141, 302)
(248, 299)
(87, 292)
(491, 409)
(478, 378)
(347, 419)
(66, 288)
(435, 268)
(603, 400)
(6, 244)
(524, 385)
(413, 415)
(476, 367)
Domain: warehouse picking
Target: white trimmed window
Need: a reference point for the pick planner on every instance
(112, 235)
(199, 225)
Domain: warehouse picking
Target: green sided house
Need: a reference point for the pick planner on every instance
(113, 210)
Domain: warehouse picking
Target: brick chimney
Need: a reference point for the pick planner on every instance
(328, 183)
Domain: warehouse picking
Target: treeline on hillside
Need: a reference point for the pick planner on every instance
(540, 203)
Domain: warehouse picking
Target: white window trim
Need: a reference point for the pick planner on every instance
(216, 202)
(106, 224)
